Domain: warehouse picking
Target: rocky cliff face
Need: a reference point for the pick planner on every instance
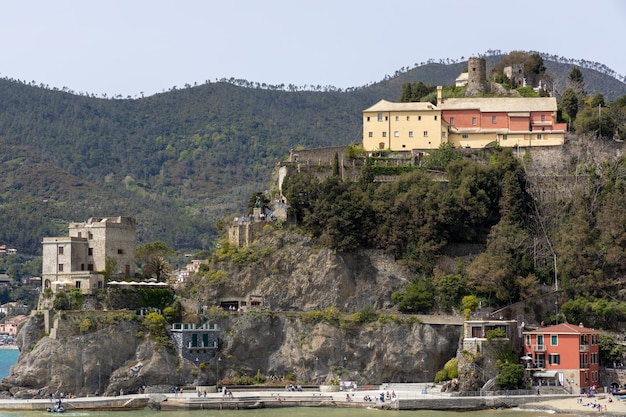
(119, 357)
(371, 353)
(113, 357)
(292, 273)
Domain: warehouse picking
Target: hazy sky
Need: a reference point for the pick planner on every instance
(132, 46)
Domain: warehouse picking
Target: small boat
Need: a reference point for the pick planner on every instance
(58, 408)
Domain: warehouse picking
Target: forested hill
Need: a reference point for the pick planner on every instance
(176, 161)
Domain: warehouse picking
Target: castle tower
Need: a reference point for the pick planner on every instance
(476, 76)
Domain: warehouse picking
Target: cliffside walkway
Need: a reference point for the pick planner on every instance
(448, 319)
(409, 399)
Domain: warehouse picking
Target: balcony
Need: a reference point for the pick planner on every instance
(539, 348)
(584, 348)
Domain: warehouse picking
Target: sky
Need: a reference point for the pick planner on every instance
(135, 47)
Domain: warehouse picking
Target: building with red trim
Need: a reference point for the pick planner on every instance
(568, 353)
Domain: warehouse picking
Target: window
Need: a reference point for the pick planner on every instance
(584, 340)
(384, 134)
(493, 119)
(527, 340)
(504, 137)
(77, 284)
(554, 359)
(539, 136)
(396, 134)
(419, 117)
(82, 267)
(594, 358)
(410, 133)
(452, 121)
(425, 133)
(465, 136)
(543, 117)
(368, 118)
(381, 145)
(90, 235)
(435, 117)
(80, 234)
(60, 267)
(443, 134)
(60, 250)
(89, 267)
(404, 146)
(584, 363)
(540, 339)
(473, 121)
(554, 340)
(397, 118)
(370, 134)
(380, 117)
(408, 118)
(541, 360)
(89, 251)
(120, 251)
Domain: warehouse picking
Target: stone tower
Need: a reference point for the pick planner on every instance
(476, 77)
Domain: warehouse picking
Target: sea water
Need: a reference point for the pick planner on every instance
(8, 357)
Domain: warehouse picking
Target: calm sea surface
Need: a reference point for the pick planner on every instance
(8, 357)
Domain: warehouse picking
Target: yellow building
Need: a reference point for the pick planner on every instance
(403, 126)
(464, 122)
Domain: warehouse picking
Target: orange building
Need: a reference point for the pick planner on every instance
(507, 121)
(570, 354)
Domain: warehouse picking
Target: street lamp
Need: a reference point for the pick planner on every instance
(217, 374)
(98, 364)
(317, 369)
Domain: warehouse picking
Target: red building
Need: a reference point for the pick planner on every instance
(567, 353)
(478, 122)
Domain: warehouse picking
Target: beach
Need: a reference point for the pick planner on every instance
(571, 405)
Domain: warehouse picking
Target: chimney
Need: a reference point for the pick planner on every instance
(439, 95)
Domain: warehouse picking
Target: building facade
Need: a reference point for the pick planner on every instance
(195, 343)
(469, 122)
(504, 121)
(570, 354)
(402, 126)
(77, 260)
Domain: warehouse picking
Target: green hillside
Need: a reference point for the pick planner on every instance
(179, 160)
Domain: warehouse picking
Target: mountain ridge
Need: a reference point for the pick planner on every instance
(177, 161)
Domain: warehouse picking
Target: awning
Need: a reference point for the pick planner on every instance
(545, 374)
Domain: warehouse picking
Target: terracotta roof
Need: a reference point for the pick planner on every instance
(384, 105)
(500, 104)
(563, 328)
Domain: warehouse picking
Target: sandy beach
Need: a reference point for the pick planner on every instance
(614, 407)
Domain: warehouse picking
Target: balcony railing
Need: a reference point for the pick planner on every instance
(539, 348)
(584, 348)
